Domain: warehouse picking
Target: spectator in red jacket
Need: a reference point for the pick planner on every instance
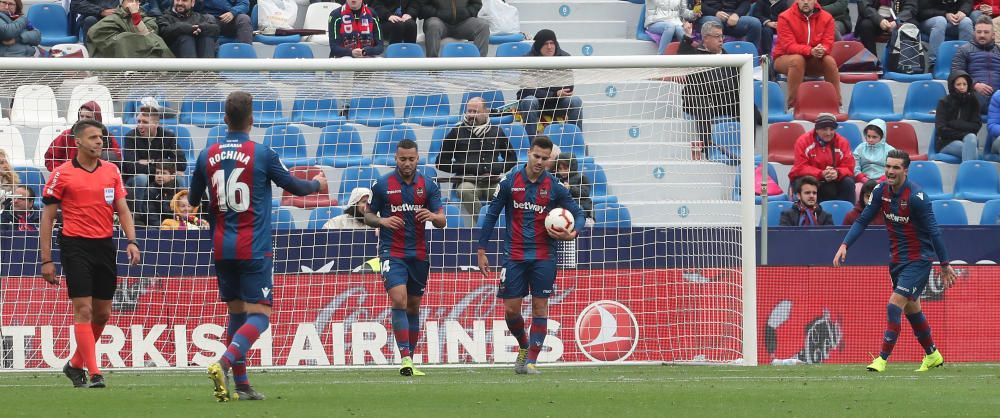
(63, 148)
(805, 40)
(989, 8)
(824, 154)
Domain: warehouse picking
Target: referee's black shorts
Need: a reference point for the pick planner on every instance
(89, 266)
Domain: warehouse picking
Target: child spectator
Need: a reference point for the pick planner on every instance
(185, 215)
(869, 156)
(863, 201)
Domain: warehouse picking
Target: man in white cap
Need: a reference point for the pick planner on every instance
(354, 213)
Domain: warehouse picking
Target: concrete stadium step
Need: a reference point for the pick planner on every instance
(607, 47)
(573, 29)
(651, 181)
(683, 213)
(579, 10)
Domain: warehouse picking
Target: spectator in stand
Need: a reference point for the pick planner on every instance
(233, 17)
(993, 124)
(398, 18)
(456, 19)
(805, 40)
(841, 15)
(709, 94)
(64, 148)
(155, 8)
(669, 19)
(957, 119)
(869, 156)
(826, 156)
(155, 208)
(17, 37)
(147, 144)
(806, 210)
(89, 12)
(557, 101)
(127, 34)
(980, 58)
(190, 34)
(944, 20)
(568, 173)
(354, 31)
(8, 177)
(19, 213)
(767, 12)
(882, 17)
(863, 201)
(734, 15)
(988, 8)
(354, 214)
(185, 215)
(477, 153)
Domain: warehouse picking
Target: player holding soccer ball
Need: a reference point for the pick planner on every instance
(402, 202)
(914, 240)
(239, 173)
(529, 250)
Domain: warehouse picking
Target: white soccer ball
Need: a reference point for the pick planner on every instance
(561, 218)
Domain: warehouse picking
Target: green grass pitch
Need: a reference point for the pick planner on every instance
(615, 391)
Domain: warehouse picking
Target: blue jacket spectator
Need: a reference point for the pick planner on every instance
(993, 123)
(981, 59)
(354, 31)
(17, 37)
(218, 7)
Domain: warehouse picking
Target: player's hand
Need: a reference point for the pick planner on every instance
(133, 254)
(391, 222)
(841, 256)
(948, 276)
(484, 263)
(424, 215)
(561, 234)
(49, 273)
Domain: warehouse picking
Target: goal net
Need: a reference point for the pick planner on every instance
(662, 272)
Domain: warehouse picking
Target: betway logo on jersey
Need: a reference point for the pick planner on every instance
(229, 155)
(529, 206)
(896, 218)
(405, 207)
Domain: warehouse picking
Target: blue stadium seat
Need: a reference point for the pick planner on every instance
(352, 177)
(945, 54)
(270, 39)
(427, 170)
(921, 100)
(281, 218)
(293, 50)
(598, 180)
(453, 216)
(501, 221)
(459, 50)
(373, 111)
(514, 49)
(118, 132)
(50, 19)
(384, 152)
(928, 176)
(773, 174)
(404, 50)
(319, 216)
(203, 112)
(949, 212)
(236, 50)
(905, 78)
(267, 109)
(494, 100)
(184, 143)
(437, 140)
(726, 138)
(991, 213)
(568, 137)
(776, 108)
(318, 113)
(611, 215)
(934, 155)
(290, 144)
(988, 154)
(977, 181)
(742, 47)
(34, 178)
(216, 135)
(519, 140)
(838, 209)
(340, 146)
(851, 133)
(872, 100)
(429, 110)
(774, 209)
(506, 38)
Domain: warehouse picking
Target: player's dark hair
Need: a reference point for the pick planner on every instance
(542, 141)
(900, 154)
(810, 180)
(406, 144)
(82, 124)
(239, 110)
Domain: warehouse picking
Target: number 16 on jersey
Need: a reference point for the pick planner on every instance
(232, 194)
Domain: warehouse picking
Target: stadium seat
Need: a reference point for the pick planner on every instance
(742, 47)
(267, 109)
(289, 142)
(901, 77)
(513, 49)
(45, 137)
(352, 177)
(429, 110)
(598, 179)
(453, 216)
(317, 18)
(903, 137)
(35, 106)
(815, 97)
(501, 221)
(494, 100)
(776, 107)
(92, 92)
(437, 140)
(872, 100)
(506, 38)
(519, 140)
(202, 111)
(991, 213)
(216, 135)
(270, 39)
(934, 155)
(773, 174)
(384, 152)
(318, 113)
(293, 50)
(922, 98)
(236, 50)
(459, 50)
(845, 50)
(281, 218)
(851, 133)
(3, 120)
(32, 177)
(427, 170)
(977, 181)
(781, 137)
(945, 53)
(838, 209)
(672, 48)
(567, 137)
(949, 212)
(373, 111)
(928, 176)
(319, 216)
(774, 209)
(50, 19)
(184, 143)
(404, 50)
(118, 133)
(13, 144)
(726, 140)
(988, 154)
(316, 200)
(340, 147)
(611, 215)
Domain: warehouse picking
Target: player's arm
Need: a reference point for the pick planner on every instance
(565, 200)
(45, 241)
(372, 217)
(435, 210)
(500, 198)
(860, 224)
(280, 176)
(925, 212)
(125, 219)
(198, 182)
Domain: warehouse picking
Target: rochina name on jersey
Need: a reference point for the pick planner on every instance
(529, 206)
(229, 155)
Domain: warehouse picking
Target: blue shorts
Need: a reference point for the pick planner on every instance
(399, 271)
(246, 280)
(909, 279)
(518, 277)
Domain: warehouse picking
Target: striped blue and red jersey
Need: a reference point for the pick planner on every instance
(391, 196)
(239, 173)
(526, 204)
(909, 220)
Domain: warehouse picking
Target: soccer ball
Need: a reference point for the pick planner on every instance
(561, 218)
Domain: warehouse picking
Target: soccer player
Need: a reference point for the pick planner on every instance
(402, 202)
(527, 194)
(239, 173)
(90, 191)
(914, 240)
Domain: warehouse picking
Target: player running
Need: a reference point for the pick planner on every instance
(913, 240)
(527, 194)
(239, 173)
(402, 202)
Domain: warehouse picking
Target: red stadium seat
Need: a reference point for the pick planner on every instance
(312, 201)
(672, 48)
(781, 138)
(903, 137)
(815, 97)
(844, 50)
